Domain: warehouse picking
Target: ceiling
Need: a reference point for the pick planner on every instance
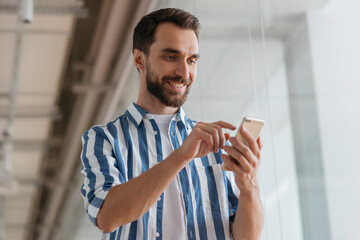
(55, 72)
(31, 61)
(59, 74)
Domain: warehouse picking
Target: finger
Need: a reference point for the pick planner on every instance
(216, 129)
(214, 132)
(260, 143)
(203, 135)
(221, 135)
(227, 136)
(245, 151)
(217, 132)
(220, 125)
(238, 157)
(222, 138)
(226, 125)
(250, 140)
(229, 163)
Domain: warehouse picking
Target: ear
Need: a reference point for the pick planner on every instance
(139, 59)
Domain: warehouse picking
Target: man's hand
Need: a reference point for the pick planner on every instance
(205, 138)
(243, 160)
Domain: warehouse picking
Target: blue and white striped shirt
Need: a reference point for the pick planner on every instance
(130, 145)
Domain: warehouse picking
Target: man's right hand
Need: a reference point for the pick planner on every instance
(205, 138)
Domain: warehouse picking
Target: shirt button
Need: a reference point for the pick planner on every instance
(157, 234)
(187, 197)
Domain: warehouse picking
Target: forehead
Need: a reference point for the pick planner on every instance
(168, 35)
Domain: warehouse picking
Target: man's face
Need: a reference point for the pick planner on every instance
(172, 96)
(171, 64)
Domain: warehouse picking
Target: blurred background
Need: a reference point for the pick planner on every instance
(66, 65)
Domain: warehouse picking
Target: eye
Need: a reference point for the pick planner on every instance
(192, 61)
(170, 57)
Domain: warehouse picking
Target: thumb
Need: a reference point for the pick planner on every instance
(227, 136)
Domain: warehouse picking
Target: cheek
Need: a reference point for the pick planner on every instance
(193, 73)
(164, 70)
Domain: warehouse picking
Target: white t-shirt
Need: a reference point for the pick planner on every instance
(173, 228)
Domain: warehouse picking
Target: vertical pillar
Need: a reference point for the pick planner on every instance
(305, 124)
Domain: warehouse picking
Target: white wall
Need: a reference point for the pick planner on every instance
(334, 39)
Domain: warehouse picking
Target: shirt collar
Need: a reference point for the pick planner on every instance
(182, 116)
(136, 114)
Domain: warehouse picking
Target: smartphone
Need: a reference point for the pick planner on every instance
(253, 126)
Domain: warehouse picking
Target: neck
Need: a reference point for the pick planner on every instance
(153, 105)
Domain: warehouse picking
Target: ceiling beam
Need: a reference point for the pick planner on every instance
(73, 8)
(32, 112)
(34, 145)
(119, 77)
(122, 69)
(104, 47)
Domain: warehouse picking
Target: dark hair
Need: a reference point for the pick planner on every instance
(145, 30)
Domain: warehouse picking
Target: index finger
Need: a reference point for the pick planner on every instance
(250, 140)
(226, 125)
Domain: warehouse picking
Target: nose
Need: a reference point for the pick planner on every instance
(182, 70)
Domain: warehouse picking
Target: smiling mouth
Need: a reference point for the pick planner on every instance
(176, 84)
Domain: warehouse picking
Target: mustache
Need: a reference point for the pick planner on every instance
(177, 79)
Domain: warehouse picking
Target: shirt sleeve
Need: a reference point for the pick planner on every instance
(100, 170)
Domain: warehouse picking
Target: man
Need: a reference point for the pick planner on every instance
(153, 173)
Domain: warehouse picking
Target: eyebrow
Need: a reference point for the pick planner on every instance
(172, 50)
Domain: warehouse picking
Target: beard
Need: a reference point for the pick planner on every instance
(156, 87)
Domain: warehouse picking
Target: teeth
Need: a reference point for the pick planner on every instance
(177, 84)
